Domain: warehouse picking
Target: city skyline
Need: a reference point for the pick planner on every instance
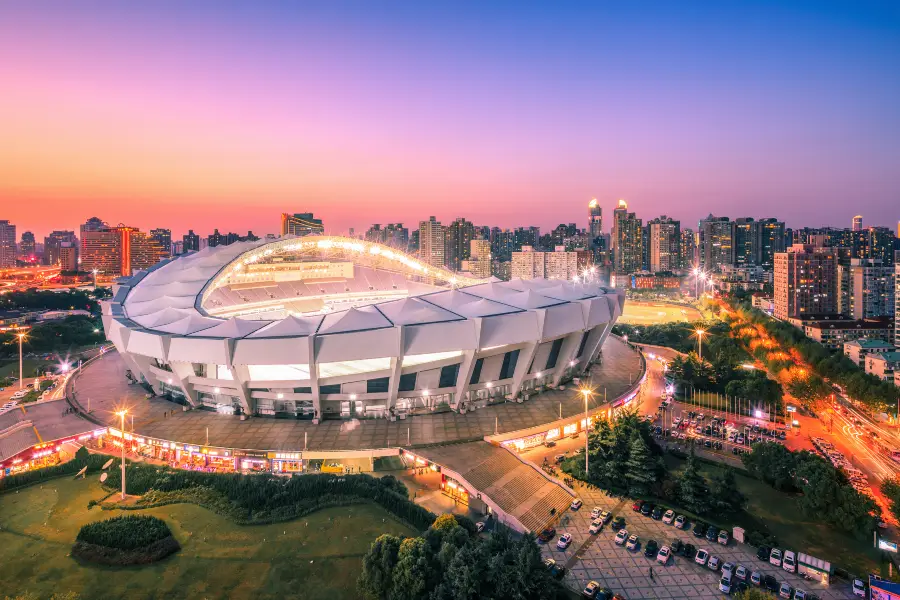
(229, 115)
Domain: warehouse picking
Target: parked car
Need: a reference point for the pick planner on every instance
(680, 522)
(636, 507)
(723, 537)
(689, 551)
(785, 591)
(728, 569)
(756, 578)
(799, 594)
(763, 553)
(563, 542)
(590, 590)
(557, 571)
(547, 535)
(859, 588)
(605, 516)
(702, 557)
(621, 537)
(741, 572)
(676, 546)
(646, 509)
(699, 529)
(651, 548)
(662, 557)
(712, 533)
(725, 585)
(633, 543)
(668, 517)
(576, 504)
(596, 526)
(595, 512)
(714, 563)
(618, 524)
(657, 513)
(789, 562)
(775, 557)
(770, 583)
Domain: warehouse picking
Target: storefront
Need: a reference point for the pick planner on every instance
(249, 461)
(454, 490)
(286, 462)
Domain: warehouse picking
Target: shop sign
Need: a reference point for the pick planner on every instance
(189, 448)
(284, 455)
(251, 454)
(887, 545)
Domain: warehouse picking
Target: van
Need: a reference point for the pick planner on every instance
(789, 562)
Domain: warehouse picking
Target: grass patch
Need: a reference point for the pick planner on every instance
(29, 367)
(777, 513)
(317, 556)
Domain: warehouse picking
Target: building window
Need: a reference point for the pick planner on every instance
(554, 353)
(584, 339)
(509, 364)
(449, 374)
(378, 386)
(330, 389)
(408, 382)
(476, 372)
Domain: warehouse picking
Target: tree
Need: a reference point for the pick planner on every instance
(891, 489)
(412, 571)
(753, 593)
(640, 467)
(773, 464)
(376, 579)
(725, 493)
(693, 491)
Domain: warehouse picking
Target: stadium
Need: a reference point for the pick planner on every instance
(323, 327)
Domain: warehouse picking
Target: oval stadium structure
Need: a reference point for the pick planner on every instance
(328, 327)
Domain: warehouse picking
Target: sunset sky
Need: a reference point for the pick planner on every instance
(219, 114)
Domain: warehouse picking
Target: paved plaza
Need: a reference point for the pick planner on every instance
(596, 557)
(102, 388)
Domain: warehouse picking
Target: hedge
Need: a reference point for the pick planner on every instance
(83, 458)
(125, 540)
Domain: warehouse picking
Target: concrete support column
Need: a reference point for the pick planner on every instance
(465, 373)
(182, 372)
(314, 379)
(566, 354)
(241, 377)
(396, 368)
(526, 355)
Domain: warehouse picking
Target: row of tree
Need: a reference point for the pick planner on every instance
(824, 492)
(60, 336)
(34, 299)
(718, 495)
(447, 562)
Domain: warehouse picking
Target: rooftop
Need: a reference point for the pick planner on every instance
(868, 344)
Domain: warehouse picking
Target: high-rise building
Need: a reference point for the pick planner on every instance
(191, 241)
(559, 264)
(897, 297)
(869, 289)
(771, 241)
(119, 250)
(164, 238)
(301, 224)
(665, 244)
(7, 245)
(627, 237)
(68, 257)
(688, 248)
(93, 224)
(458, 235)
(431, 242)
(413, 247)
(746, 242)
(595, 222)
(879, 244)
(857, 223)
(26, 247)
(53, 242)
(805, 281)
(215, 239)
(716, 247)
(479, 262)
(177, 247)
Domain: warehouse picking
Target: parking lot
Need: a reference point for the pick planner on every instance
(596, 557)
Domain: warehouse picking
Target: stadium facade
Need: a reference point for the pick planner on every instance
(328, 327)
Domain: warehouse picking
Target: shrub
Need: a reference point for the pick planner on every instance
(125, 540)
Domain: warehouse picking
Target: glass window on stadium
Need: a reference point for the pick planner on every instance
(408, 382)
(334, 388)
(378, 386)
(509, 364)
(554, 353)
(584, 339)
(476, 372)
(449, 375)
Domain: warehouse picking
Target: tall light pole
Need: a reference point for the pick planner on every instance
(696, 282)
(21, 378)
(587, 394)
(121, 413)
(700, 333)
(95, 279)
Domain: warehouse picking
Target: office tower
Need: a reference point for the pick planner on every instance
(621, 209)
(68, 257)
(140, 250)
(413, 247)
(716, 246)
(857, 223)
(396, 236)
(559, 264)
(688, 248)
(869, 289)
(805, 282)
(431, 242)
(525, 236)
(177, 247)
(645, 248)
(746, 242)
(665, 244)
(374, 234)
(880, 245)
(771, 240)
(896, 297)
(26, 247)
(627, 237)
(191, 241)
(301, 224)
(479, 262)
(164, 238)
(215, 239)
(458, 235)
(52, 244)
(595, 222)
(7, 245)
(120, 250)
(92, 224)
(230, 238)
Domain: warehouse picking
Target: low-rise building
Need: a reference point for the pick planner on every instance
(833, 334)
(763, 303)
(857, 350)
(884, 366)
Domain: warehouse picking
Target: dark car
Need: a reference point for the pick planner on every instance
(618, 523)
(651, 548)
(636, 507)
(712, 533)
(603, 594)
(658, 512)
(677, 546)
(549, 443)
(646, 509)
(763, 553)
(689, 551)
(741, 586)
(699, 529)
(557, 571)
(547, 535)
(771, 584)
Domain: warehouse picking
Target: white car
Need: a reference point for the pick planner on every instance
(723, 537)
(605, 516)
(775, 557)
(789, 562)
(680, 522)
(596, 526)
(756, 578)
(669, 517)
(702, 557)
(714, 563)
(741, 573)
(786, 591)
(799, 594)
(19, 394)
(859, 588)
(576, 504)
(662, 557)
(595, 513)
(563, 542)
(621, 537)
(725, 585)
(590, 590)
(633, 542)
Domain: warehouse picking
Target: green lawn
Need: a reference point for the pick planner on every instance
(11, 368)
(313, 557)
(777, 512)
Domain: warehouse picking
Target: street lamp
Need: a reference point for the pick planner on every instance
(121, 414)
(587, 394)
(95, 279)
(700, 333)
(21, 337)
